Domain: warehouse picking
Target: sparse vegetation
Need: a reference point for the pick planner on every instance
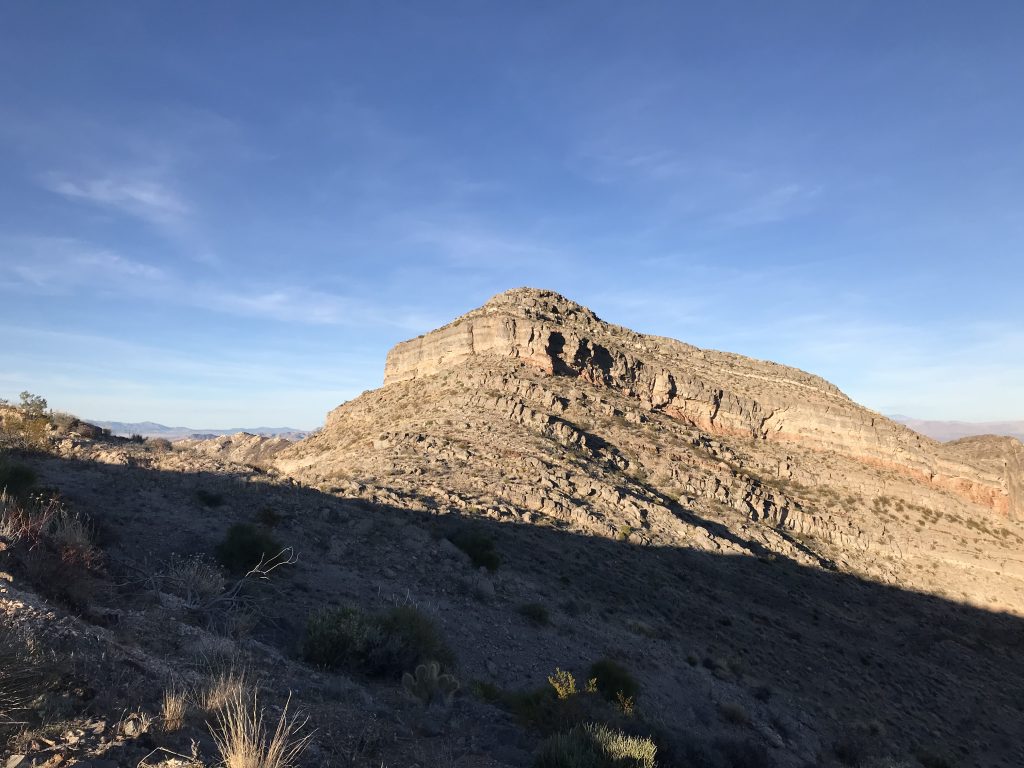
(23, 676)
(32, 405)
(225, 686)
(173, 710)
(596, 746)
(245, 545)
(16, 479)
(243, 740)
(563, 682)
(613, 679)
(430, 685)
(209, 498)
(389, 643)
(51, 546)
(478, 546)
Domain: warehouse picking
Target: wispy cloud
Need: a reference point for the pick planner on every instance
(65, 266)
(294, 304)
(150, 199)
(773, 205)
(466, 241)
(52, 265)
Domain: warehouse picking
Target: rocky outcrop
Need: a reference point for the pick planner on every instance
(1002, 458)
(716, 392)
(241, 448)
(531, 409)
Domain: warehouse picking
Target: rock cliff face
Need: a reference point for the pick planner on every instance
(533, 409)
(718, 393)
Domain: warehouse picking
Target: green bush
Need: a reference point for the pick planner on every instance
(17, 479)
(596, 746)
(479, 547)
(389, 643)
(412, 638)
(32, 405)
(613, 678)
(340, 638)
(244, 546)
(544, 710)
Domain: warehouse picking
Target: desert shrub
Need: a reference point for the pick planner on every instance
(627, 704)
(25, 521)
(159, 444)
(563, 683)
(244, 546)
(478, 546)
(63, 422)
(389, 643)
(339, 638)
(596, 746)
(535, 613)
(555, 707)
(137, 438)
(16, 479)
(412, 638)
(613, 678)
(269, 517)
(72, 536)
(193, 578)
(32, 405)
(68, 582)
(51, 547)
(209, 498)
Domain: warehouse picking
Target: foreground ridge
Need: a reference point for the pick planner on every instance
(750, 567)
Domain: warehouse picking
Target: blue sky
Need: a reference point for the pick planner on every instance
(224, 214)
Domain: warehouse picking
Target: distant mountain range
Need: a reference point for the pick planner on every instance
(954, 430)
(152, 429)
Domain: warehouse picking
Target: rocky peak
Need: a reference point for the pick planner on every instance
(718, 393)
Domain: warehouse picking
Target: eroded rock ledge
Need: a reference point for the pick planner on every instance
(717, 392)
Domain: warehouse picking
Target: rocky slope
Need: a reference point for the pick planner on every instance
(532, 408)
(788, 579)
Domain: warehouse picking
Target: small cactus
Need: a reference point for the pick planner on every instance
(429, 685)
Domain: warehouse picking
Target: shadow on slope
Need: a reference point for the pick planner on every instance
(815, 654)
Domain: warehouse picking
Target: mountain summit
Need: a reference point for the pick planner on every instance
(533, 408)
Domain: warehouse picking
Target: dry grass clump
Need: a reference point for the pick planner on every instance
(194, 579)
(224, 688)
(71, 535)
(174, 706)
(51, 547)
(244, 741)
(26, 521)
(22, 675)
(596, 746)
